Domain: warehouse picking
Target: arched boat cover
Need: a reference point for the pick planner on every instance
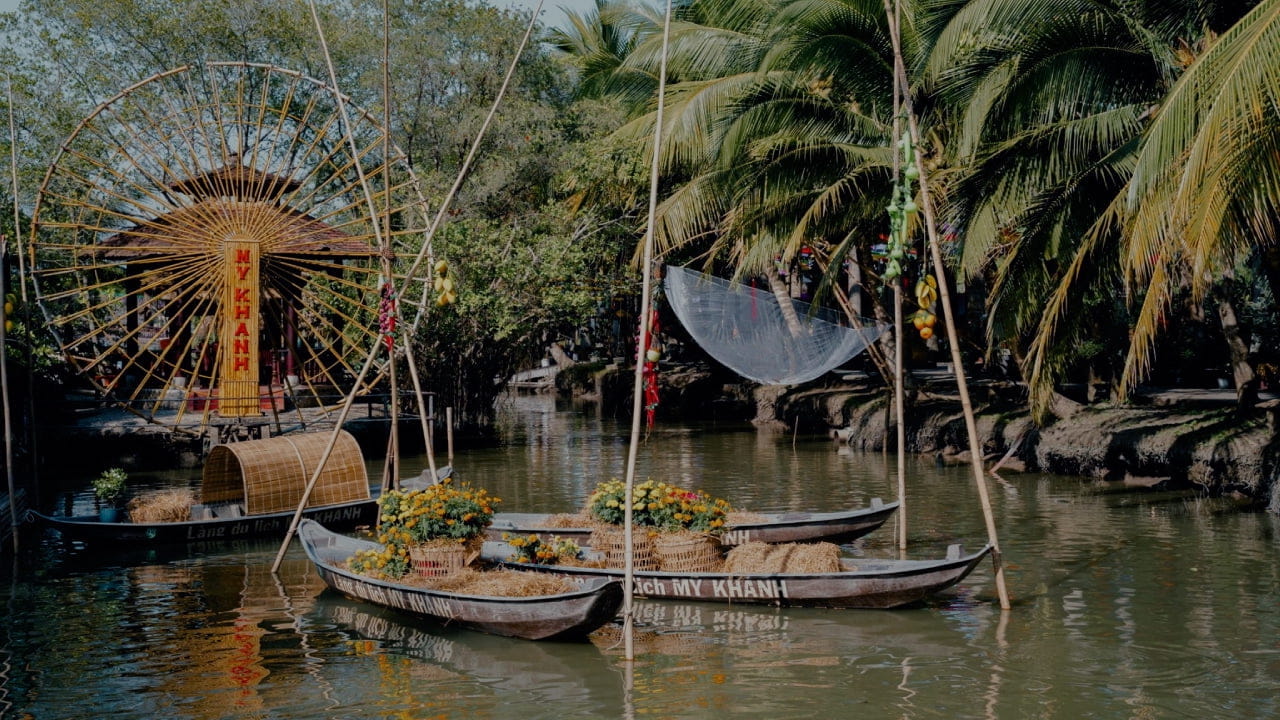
(269, 475)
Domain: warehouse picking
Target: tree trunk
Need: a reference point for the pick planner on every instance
(784, 304)
(1241, 369)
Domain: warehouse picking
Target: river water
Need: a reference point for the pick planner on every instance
(1126, 605)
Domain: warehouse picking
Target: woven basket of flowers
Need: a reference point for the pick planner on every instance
(437, 558)
(684, 526)
(612, 543)
(429, 533)
(688, 551)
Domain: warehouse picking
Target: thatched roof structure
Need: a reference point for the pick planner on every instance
(282, 230)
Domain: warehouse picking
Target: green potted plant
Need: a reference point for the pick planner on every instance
(109, 488)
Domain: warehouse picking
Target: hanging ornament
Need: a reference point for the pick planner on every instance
(387, 316)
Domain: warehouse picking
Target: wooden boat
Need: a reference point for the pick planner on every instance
(871, 583)
(839, 526)
(251, 490)
(567, 616)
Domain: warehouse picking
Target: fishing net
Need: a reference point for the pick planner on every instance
(744, 328)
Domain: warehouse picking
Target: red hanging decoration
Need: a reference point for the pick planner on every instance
(650, 357)
(387, 316)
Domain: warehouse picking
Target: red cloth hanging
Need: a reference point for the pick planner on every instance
(650, 371)
(387, 316)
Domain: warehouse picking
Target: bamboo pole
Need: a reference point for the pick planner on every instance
(22, 293)
(393, 455)
(899, 340)
(637, 392)
(4, 399)
(448, 429)
(417, 262)
(944, 292)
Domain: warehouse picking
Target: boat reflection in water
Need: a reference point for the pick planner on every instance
(456, 660)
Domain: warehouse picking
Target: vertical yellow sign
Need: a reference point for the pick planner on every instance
(238, 376)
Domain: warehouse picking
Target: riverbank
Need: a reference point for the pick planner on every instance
(1192, 440)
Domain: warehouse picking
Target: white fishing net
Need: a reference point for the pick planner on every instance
(744, 328)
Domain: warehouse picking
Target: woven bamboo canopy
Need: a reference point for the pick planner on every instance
(269, 475)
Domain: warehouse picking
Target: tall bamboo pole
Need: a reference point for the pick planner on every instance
(417, 262)
(637, 391)
(4, 399)
(899, 340)
(944, 292)
(393, 454)
(22, 283)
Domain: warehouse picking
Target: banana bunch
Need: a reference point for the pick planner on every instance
(926, 295)
(443, 285)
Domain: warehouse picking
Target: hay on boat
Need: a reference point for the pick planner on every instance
(743, 517)
(161, 506)
(766, 558)
(499, 583)
(566, 520)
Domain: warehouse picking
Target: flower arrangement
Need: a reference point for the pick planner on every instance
(533, 549)
(659, 504)
(388, 562)
(109, 486)
(446, 511)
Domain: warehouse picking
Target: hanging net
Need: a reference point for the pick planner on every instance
(744, 328)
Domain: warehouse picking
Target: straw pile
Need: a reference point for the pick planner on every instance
(742, 517)
(499, 583)
(565, 520)
(764, 558)
(162, 506)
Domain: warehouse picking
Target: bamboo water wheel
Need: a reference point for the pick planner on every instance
(207, 246)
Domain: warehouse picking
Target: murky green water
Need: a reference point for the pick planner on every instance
(1124, 608)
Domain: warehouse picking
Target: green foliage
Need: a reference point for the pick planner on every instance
(110, 485)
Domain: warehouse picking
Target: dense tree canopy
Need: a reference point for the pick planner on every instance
(1103, 169)
(528, 271)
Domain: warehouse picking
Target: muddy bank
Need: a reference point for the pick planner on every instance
(1173, 441)
(1183, 445)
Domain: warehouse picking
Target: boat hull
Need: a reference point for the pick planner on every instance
(86, 528)
(569, 616)
(842, 526)
(872, 584)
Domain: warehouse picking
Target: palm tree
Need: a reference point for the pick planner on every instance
(1206, 185)
(1049, 100)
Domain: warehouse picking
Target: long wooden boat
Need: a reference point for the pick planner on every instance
(251, 490)
(232, 526)
(786, 527)
(567, 616)
(870, 583)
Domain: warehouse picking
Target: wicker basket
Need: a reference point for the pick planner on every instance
(688, 552)
(438, 558)
(612, 541)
